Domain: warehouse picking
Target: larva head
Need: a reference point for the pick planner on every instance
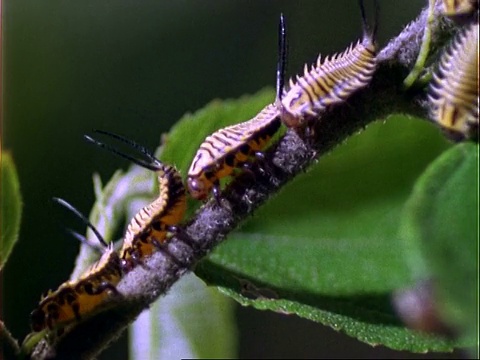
(127, 265)
(38, 320)
(292, 121)
(292, 109)
(198, 187)
(297, 103)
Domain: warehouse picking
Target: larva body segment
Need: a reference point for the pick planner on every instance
(453, 92)
(80, 298)
(228, 149)
(331, 81)
(149, 227)
(74, 300)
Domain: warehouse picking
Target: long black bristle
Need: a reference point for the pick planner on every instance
(83, 218)
(82, 238)
(367, 32)
(282, 56)
(152, 164)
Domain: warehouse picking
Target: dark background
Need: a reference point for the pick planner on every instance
(134, 68)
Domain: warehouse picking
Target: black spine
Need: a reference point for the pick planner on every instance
(282, 56)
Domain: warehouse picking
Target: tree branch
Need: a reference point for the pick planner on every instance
(289, 157)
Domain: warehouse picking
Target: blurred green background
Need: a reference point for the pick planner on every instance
(135, 68)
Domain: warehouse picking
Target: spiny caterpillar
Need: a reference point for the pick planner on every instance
(453, 92)
(331, 81)
(228, 149)
(233, 147)
(76, 299)
(148, 229)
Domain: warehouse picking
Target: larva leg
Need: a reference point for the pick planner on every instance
(247, 167)
(76, 310)
(163, 249)
(216, 192)
(105, 285)
(182, 235)
(136, 259)
(264, 167)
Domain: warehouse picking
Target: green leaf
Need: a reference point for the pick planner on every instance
(11, 207)
(327, 245)
(183, 324)
(365, 317)
(441, 233)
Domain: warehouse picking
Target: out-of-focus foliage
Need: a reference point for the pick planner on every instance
(10, 207)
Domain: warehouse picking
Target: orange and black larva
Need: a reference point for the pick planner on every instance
(453, 93)
(148, 229)
(331, 81)
(230, 148)
(76, 299)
